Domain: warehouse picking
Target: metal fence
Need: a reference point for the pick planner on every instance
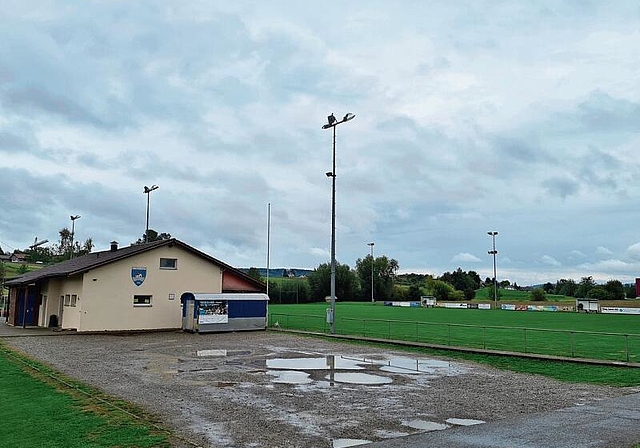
(569, 343)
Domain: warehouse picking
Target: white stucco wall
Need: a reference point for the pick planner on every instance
(107, 292)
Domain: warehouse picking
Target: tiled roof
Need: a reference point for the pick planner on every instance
(96, 259)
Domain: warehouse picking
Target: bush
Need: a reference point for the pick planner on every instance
(538, 295)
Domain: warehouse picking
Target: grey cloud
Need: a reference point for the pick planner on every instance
(12, 143)
(561, 186)
(602, 112)
(36, 99)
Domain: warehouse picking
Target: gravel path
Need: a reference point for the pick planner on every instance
(242, 397)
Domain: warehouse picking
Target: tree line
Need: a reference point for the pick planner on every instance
(458, 285)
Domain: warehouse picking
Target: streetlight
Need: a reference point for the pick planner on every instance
(73, 230)
(494, 252)
(332, 123)
(371, 244)
(147, 191)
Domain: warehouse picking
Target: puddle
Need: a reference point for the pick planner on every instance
(211, 353)
(464, 421)
(336, 365)
(290, 377)
(415, 366)
(323, 363)
(424, 425)
(358, 378)
(344, 443)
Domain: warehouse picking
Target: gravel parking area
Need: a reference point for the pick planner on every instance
(254, 389)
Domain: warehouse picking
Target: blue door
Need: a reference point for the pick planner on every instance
(26, 317)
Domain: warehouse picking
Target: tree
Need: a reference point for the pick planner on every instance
(566, 287)
(615, 290)
(462, 280)
(347, 287)
(254, 273)
(538, 295)
(630, 291)
(153, 236)
(549, 288)
(415, 291)
(441, 290)
(585, 285)
(598, 292)
(384, 273)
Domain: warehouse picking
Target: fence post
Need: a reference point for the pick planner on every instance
(573, 346)
(626, 345)
(484, 339)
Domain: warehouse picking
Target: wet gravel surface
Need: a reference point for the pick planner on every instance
(234, 389)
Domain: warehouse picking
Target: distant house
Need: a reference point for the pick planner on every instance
(5, 258)
(18, 257)
(133, 288)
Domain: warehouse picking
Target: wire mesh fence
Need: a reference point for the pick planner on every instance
(568, 343)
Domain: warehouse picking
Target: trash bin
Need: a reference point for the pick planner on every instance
(53, 321)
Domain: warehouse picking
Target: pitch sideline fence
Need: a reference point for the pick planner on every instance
(568, 343)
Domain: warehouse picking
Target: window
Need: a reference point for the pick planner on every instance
(74, 298)
(168, 263)
(141, 300)
(67, 300)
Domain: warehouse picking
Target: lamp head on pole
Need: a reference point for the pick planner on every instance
(371, 244)
(150, 189)
(492, 233)
(74, 217)
(332, 122)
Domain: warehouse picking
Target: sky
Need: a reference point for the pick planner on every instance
(521, 117)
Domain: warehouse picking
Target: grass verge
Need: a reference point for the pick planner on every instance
(44, 409)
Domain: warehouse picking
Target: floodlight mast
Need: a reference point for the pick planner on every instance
(73, 231)
(332, 122)
(147, 191)
(494, 252)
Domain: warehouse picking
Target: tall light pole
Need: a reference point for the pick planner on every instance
(494, 252)
(268, 243)
(371, 244)
(332, 123)
(73, 230)
(147, 191)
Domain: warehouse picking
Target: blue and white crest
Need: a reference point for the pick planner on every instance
(138, 275)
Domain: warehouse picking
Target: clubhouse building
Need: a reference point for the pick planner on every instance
(121, 289)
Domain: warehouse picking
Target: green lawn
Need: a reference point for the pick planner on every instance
(40, 413)
(598, 336)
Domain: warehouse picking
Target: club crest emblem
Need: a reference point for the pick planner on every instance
(138, 275)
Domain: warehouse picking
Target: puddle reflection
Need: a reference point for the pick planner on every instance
(344, 443)
(337, 365)
(464, 421)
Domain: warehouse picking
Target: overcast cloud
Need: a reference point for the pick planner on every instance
(521, 117)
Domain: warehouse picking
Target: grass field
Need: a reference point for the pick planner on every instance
(596, 336)
(38, 412)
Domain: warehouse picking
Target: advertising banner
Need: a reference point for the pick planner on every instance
(213, 312)
(455, 305)
(619, 310)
